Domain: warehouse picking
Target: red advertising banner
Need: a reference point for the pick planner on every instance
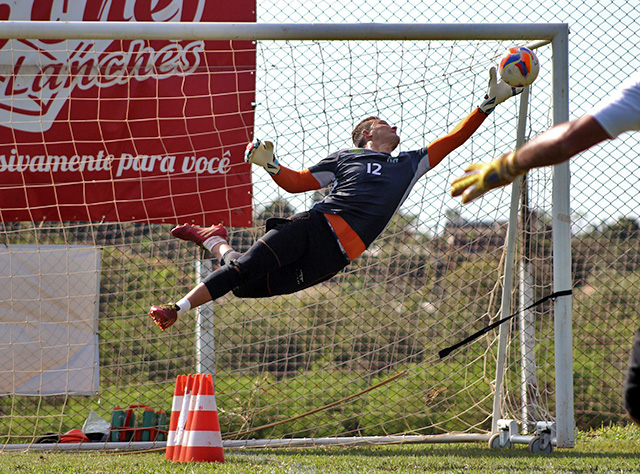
(131, 130)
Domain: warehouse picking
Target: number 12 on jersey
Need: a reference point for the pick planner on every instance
(374, 168)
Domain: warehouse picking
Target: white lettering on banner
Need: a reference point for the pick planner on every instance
(38, 77)
(101, 10)
(15, 163)
(55, 163)
(120, 67)
(145, 163)
(57, 80)
(210, 165)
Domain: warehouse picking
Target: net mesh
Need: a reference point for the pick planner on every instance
(356, 355)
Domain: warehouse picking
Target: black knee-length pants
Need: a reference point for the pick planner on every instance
(296, 254)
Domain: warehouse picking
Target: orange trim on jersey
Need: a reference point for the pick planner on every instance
(296, 181)
(350, 241)
(441, 147)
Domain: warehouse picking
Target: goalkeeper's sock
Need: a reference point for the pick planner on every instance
(212, 241)
(183, 305)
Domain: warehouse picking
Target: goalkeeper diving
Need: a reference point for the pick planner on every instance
(616, 114)
(368, 185)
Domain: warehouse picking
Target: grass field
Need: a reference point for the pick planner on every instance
(607, 450)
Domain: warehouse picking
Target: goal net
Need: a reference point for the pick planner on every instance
(353, 359)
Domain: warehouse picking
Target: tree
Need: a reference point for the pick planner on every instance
(623, 229)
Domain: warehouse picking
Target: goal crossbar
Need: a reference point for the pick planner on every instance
(279, 31)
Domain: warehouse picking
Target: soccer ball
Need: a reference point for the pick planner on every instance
(519, 67)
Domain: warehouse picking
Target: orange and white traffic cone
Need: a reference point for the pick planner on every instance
(202, 439)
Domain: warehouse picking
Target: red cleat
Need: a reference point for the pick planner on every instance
(198, 234)
(164, 315)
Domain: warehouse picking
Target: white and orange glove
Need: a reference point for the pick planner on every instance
(497, 93)
(261, 154)
(482, 177)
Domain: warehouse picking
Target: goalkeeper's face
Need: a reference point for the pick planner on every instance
(383, 133)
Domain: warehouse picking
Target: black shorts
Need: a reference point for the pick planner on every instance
(632, 382)
(297, 253)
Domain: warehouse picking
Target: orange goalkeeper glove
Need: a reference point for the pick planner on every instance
(481, 177)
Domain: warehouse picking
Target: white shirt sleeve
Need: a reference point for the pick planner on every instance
(620, 112)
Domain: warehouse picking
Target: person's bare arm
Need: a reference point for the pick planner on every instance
(556, 145)
(560, 143)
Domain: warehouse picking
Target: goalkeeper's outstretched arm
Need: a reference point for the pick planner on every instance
(498, 91)
(262, 154)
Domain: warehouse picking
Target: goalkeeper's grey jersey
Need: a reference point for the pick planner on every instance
(368, 186)
(620, 112)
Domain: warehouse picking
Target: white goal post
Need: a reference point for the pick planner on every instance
(535, 35)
